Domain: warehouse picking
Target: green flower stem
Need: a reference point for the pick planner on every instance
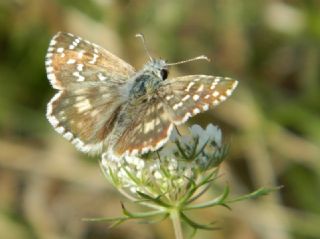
(175, 218)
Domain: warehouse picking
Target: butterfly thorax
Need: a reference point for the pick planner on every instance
(147, 81)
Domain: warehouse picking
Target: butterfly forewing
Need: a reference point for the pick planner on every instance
(189, 95)
(89, 79)
(70, 60)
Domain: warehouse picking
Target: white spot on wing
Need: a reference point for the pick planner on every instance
(71, 61)
(77, 74)
(83, 106)
(216, 102)
(228, 92)
(205, 107)
(94, 59)
(53, 42)
(222, 98)
(200, 88)
(80, 54)
(196, 97)
(177, 106)
(185, 117)
(217, 79)
(186, 97)
(215, 93)
(101, 77)
(169, 97)
(213, 85)
(189, 86)
(148, 127)
(196, 111)
(80, 67)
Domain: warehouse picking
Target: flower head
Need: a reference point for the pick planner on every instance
(169, 171)
(170, 179)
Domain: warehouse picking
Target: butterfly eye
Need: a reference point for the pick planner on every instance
(164, 74)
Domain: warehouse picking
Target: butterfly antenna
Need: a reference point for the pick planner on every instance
(202, 57)
(140, 35)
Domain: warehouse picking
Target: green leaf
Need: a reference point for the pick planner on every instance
(141, 214)
(258, 193)
(104, 219)
(155, 200)
(217, 201)
(194, 149)
(190, 192)
(165, 216)
(198, 225)
(198, 195)
(202, 148)
(181, 150)
(116, 223)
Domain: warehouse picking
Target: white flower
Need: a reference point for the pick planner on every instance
(211, 133)
(182, 159)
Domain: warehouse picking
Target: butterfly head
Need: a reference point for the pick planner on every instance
(158, 68)
(155, 67)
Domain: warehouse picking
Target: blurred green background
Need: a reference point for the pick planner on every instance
(272, 120)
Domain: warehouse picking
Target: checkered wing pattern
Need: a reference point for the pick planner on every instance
(148, 131)
(187, 96)
(70, 60)
(88, 79)
(177, 100)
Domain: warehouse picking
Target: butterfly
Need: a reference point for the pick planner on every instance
(103, 103)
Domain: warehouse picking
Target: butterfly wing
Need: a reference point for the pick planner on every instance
(176, 100)
(187, 96)
(70, 60)
(148, 130)
(90, 81)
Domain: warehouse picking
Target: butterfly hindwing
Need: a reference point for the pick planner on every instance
(84, 116)
(147, 131)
